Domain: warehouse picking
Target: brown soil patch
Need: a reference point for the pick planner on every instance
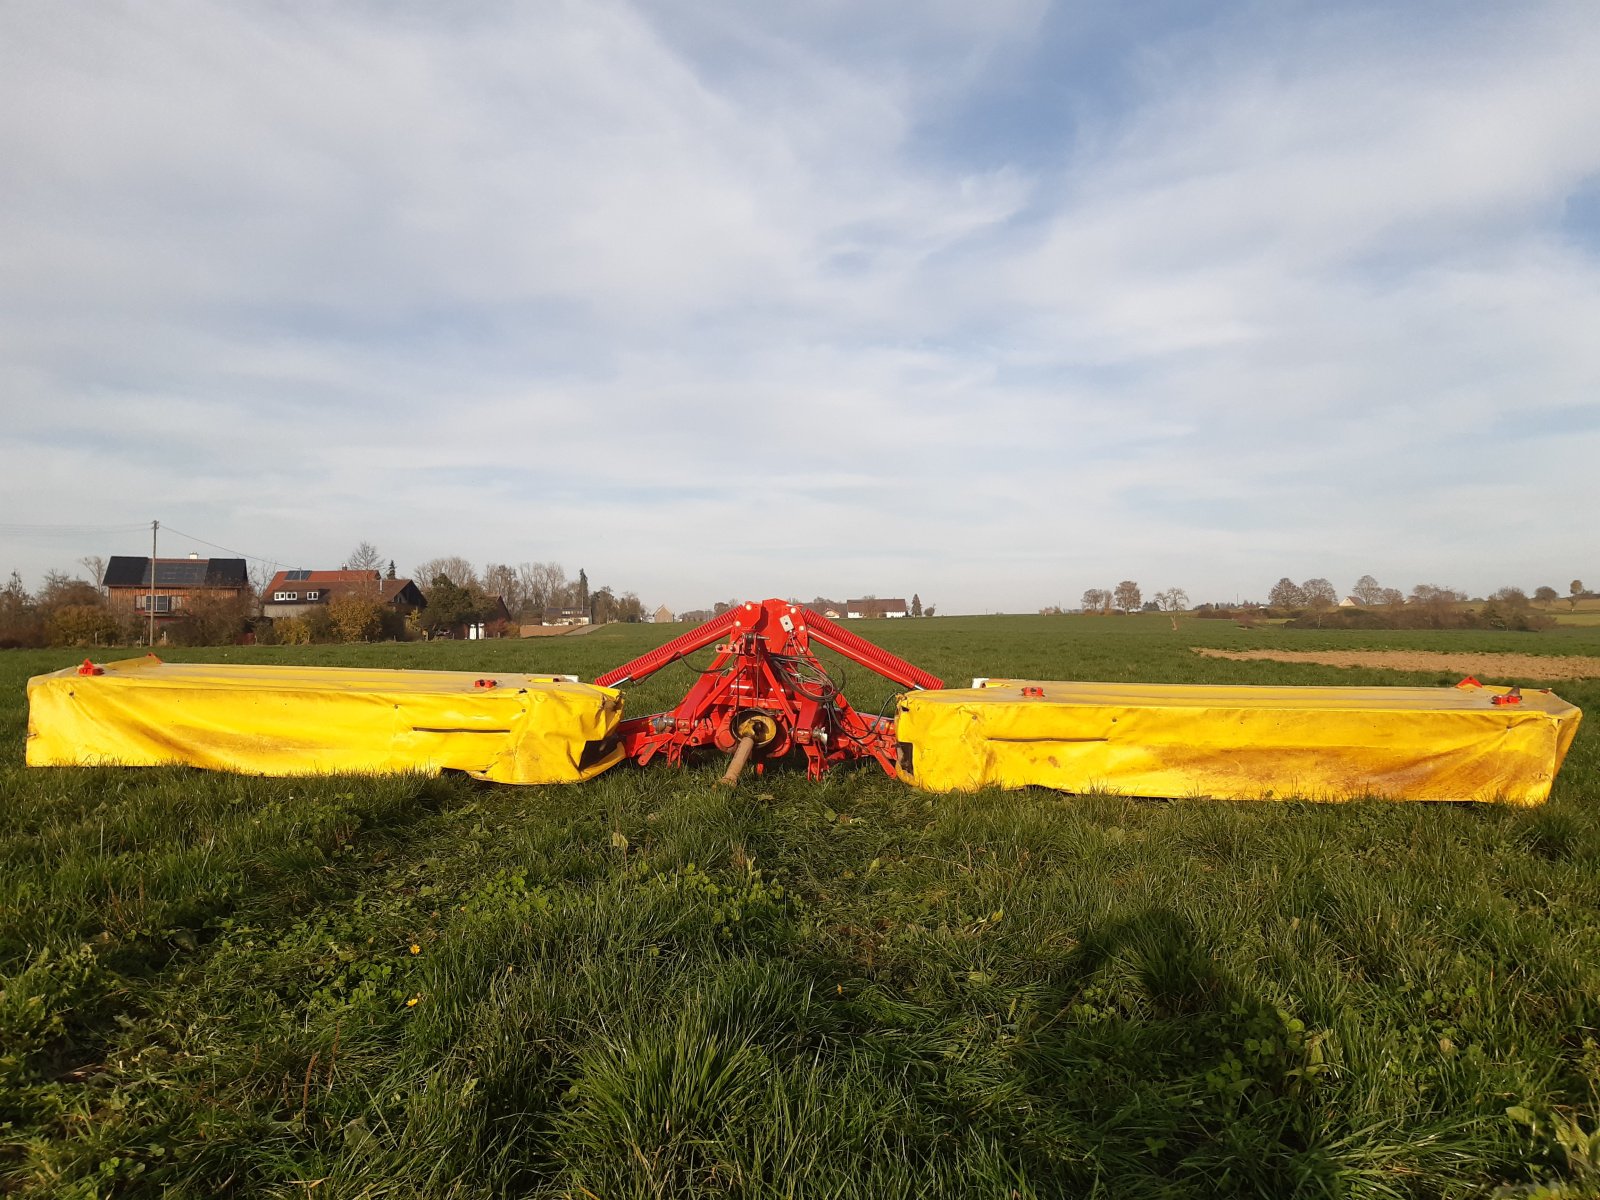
(1493, 666)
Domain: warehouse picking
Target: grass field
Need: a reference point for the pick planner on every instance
(221, 986)
(1585, 613)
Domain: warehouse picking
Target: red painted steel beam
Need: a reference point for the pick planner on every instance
(766, 691)
(670, 652)
(874, 658)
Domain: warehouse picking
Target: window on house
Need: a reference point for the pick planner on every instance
(286, 595)
(313, 595)
(158, 604)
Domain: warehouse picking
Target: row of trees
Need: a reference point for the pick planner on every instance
(528, 588)
(1317, 595)
(68, 611)
(64, 611)
(1126, 598)
(1369, 593)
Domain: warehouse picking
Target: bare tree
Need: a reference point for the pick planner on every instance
(1391, 596)
(60, 590)
(544, 584)
(1574, 589)
(1286, 593)
(1127, 596)
(1319, 593)
(1546, 595)
(1368, 591)
(1095, 600)
(630, 607)
(260, 576)
(1173, 600)
(96, 566)
(502, 580)
(1432, 593)
(364, 557)
(453, 567)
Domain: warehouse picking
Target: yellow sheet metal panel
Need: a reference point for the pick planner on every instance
(270, 720)
(1237, 743)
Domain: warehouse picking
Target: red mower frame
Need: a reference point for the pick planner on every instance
(765, 694)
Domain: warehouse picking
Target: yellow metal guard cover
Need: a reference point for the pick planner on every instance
(269, 720)
(1236, 742)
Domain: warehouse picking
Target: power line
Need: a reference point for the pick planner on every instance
(272, 562)
(80, 530)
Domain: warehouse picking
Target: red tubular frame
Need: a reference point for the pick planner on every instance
(765, 683)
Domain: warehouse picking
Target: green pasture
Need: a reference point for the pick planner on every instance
(647, 986)
(1584, 613)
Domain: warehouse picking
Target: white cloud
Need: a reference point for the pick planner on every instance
(696, 302)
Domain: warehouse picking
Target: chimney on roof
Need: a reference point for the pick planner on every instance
(194, 556)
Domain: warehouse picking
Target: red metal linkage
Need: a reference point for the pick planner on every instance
(859, 650)
(766, 693)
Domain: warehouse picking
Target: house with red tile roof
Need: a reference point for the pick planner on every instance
(295, 593)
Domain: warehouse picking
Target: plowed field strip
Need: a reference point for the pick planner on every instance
(1497, 666)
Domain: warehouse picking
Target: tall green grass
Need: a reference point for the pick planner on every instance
(647, 986)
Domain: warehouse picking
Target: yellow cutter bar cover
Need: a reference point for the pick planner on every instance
(1238, 743)
(267, 720)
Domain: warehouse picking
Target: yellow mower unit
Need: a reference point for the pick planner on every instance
(766, 698)
(1468, 742)
(266, 720)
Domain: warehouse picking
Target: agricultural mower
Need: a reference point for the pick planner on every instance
(766, 699)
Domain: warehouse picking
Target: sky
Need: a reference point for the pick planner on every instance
(991, 303)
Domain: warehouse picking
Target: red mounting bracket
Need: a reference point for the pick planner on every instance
(765, 694)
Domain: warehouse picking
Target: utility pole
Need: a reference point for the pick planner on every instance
(150, 600)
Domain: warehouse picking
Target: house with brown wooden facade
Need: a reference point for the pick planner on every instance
(179, 583)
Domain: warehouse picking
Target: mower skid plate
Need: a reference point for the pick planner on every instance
(270, 720)
(1238, 742)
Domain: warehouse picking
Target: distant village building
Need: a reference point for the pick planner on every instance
(872, 607)
(296, 593)
(662, 616)
(566, 616)
(179, 582)
(1351, 602)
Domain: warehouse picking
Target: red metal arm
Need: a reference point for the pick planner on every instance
(890, 666)
(664, 655)
(765, 694)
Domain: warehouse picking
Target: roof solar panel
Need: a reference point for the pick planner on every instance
(191, 572)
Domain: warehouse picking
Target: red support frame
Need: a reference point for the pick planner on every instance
(766, 687)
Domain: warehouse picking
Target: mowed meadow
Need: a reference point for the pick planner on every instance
(648, 986)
